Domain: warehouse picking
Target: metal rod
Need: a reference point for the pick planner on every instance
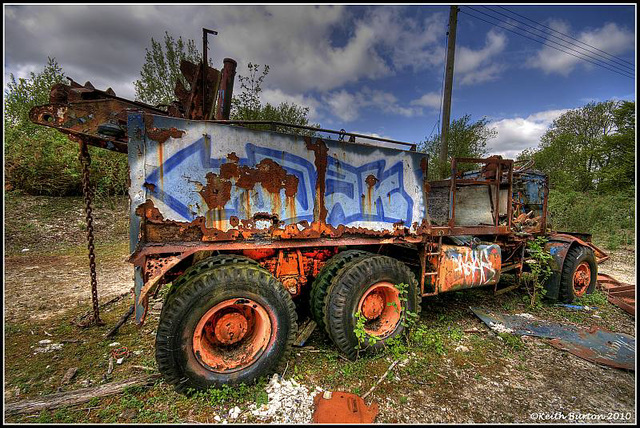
(205, 47)
(311, 128)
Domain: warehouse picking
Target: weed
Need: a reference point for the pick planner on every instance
(598, 298)
(44, 417)
(262, 398)
(538, 262)
(513, 341)
(428, 339)
(361, 334)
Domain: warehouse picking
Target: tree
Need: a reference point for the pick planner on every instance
(23, 94)
(248, 106)
(579, 146)
(465, 139)
(42, 161)
(617, 172)
(161, 69)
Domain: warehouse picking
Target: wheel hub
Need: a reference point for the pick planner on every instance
(381, 306)
(231, 328)
(232, 335)
(373, 305)
(581, 278)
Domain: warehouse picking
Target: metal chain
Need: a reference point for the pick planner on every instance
(85, 161)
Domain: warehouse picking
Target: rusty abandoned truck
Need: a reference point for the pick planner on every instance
(251, 228)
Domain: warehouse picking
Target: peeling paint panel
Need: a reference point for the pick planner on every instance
(226, 178)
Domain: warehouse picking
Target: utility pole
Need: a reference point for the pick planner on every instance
(448, 84)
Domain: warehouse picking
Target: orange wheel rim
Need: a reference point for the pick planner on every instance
(382, 309)
(581, 279)
(232, 335)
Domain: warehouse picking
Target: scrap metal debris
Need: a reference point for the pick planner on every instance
(593, 344)
(343, 407)
(621, 294)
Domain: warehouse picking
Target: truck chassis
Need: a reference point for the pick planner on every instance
(252, 228)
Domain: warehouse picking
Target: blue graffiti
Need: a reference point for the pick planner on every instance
(345, 187)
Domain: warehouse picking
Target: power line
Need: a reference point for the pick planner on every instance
(616, 67)
(543, 43)
(535, 22)
(613, 63)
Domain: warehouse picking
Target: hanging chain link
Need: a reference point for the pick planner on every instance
(85, 161)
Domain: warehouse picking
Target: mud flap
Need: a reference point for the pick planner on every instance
(558, 251)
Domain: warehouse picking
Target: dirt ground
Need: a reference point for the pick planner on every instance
(460, 371)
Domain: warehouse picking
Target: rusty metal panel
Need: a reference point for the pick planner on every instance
(213, 182)
(473, 206)
(465, 267)
(594, 344)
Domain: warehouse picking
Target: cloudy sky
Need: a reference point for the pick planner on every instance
(368, 69)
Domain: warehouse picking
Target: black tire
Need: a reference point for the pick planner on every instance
(322, 282)
(195, 297)
(203, 265)
(575, 256)
(349, 286)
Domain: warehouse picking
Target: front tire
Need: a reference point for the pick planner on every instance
(228, 325)
(579, 274)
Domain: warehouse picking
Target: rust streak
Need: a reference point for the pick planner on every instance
(320, 150)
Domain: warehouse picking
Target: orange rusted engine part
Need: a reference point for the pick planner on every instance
(465, 267)
(343, 407)
(291, 267)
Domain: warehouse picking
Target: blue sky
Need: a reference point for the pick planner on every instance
(368, 69)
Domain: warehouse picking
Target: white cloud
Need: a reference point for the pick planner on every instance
(347, 105)
(478, 66)
(430, 99)
(609, 38)
(276, 96)
(308, 47)
(516, 134)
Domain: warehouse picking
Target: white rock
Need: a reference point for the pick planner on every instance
(120, 360)
(288, 402)
(526, 315)
(24, 250)
(44, 342)
(111, 345)
(462, 348)
(217, 418)
(234, 413)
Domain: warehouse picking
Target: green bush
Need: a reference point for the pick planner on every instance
(610, 218)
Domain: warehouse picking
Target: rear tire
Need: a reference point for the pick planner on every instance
(368, 285)
(323, 281)
(579, 274)
(230, 324)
